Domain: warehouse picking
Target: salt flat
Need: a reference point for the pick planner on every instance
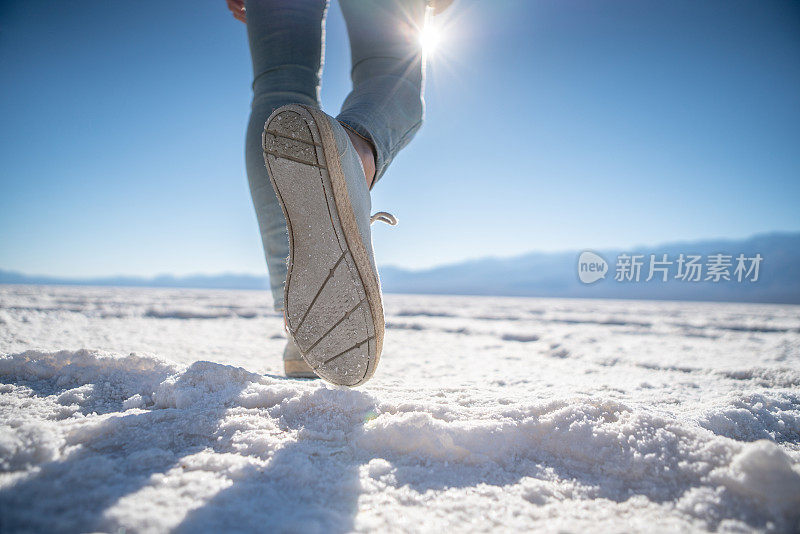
(154, 410)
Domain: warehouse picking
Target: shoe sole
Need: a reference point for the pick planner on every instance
(332, 298)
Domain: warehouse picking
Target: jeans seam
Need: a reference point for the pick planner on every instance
(278, 67)
(348, 127)
(360, 61)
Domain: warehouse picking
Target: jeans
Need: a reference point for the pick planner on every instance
(385, 106)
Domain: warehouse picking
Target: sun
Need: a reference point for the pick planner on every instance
(429, 38)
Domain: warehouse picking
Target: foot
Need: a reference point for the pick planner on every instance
(294, 366)
(332, 297)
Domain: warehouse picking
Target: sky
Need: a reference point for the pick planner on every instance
(557, 125)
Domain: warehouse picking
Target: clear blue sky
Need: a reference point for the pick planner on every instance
(550, 125)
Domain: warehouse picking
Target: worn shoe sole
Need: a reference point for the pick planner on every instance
(332, 298)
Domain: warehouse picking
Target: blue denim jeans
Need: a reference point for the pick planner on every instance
(385, 106)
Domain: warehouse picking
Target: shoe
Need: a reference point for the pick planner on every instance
(294, 366)
(332, 297)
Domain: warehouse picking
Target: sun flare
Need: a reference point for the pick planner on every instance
(429, 38)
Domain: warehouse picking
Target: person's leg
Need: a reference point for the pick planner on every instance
(386, 105)
(286, 43)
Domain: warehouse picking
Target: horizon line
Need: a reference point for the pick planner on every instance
(143, 277)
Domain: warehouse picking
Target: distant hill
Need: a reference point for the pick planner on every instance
(199, 281)
(543, 275)
(555, 275)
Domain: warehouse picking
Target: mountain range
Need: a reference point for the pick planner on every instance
(548, 275)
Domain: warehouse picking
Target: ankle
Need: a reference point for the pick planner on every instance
(366, 152)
